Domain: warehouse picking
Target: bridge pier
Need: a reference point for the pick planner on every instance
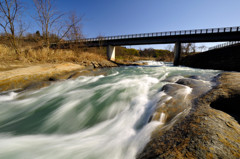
(177, 53)
(111, 52)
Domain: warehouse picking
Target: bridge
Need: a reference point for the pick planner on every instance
(176, 37)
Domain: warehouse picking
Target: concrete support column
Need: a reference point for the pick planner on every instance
(177, 53)
(111, 52)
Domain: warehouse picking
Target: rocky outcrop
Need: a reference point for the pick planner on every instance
(204, 126)
(98, 64)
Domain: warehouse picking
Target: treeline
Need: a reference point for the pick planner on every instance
(150, 53)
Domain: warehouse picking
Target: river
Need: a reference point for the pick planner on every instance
(92, 117)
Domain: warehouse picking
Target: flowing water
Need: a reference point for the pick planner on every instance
(102, 117)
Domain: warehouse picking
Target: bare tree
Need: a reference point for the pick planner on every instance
(188, 48)
(22, 28)
(74, 31)
(192, 48)
(202, 48)
(9, 10)
(47, 17)
(170, 48)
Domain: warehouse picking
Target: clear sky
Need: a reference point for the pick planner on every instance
(116, 17)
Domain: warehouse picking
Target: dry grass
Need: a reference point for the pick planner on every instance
(29, 56)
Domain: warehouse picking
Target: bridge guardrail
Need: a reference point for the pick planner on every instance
(230, 43)
(169, 33)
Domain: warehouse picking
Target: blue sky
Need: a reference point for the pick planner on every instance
(116, 17)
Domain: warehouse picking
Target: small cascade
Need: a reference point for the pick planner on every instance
(162, 118)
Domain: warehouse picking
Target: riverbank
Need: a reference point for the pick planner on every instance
(21, 76)
(38, 67)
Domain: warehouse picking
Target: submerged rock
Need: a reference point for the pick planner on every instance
(207, 130)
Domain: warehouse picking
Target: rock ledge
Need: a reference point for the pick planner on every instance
(207, 131)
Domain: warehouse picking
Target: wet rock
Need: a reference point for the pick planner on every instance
(199, 86)
(172, 79)
(172, 89)
(208, 130)
(171, 107)
(193, 83)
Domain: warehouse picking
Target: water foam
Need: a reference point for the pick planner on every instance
(10, 96)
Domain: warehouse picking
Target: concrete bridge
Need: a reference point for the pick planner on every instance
(177, 37)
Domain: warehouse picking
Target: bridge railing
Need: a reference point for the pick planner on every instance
(230, 43)
(162, 34)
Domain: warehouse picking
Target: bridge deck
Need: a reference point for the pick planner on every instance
(183, 36)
